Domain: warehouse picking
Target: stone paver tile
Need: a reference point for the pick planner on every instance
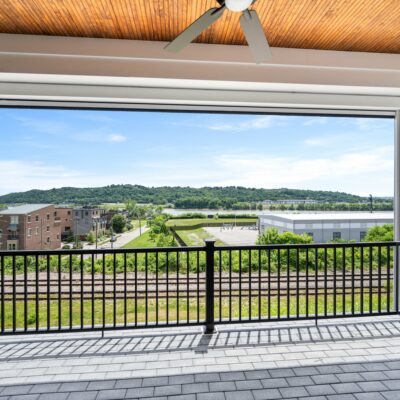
(391, 395)
(45, 388)
(325, 378)
(53, 396)
(239, 395)
(320, 390)
(232, 376)
(180, 379)
(299, 381)
(394, 374)
(373, 376)
(73, 386)
(26, 397)
(200, 387)
(303, 371)
(15, 390)
(222, 386)
(282, 372)
(128, 383)
(349, 387)
(249, 384)
(211, 396)
(294, 391)
(111, 394)
(83, 395)
(266, 394)
(341, 397)
(206, 378)
(369, 396)
(180, 397)
(372, 386)
(274, 383)
(352, 368)
(158, 381)
(140, 392)
(257, 374)
(392, 384)
(101, 385)
(349, 377)
(168, 390)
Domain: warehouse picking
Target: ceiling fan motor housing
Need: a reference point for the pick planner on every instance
(238, 5)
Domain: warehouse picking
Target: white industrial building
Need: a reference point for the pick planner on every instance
(324, 227)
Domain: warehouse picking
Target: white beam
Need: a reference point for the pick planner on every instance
(216, 74)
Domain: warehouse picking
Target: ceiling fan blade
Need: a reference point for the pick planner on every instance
(255, 36)
(194, 30)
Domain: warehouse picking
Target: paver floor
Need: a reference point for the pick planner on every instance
(339, 359)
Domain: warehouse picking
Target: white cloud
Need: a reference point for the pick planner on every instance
(263, 122)
(115, 137)
(44, 126)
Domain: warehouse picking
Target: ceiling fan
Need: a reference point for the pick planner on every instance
(249, 22)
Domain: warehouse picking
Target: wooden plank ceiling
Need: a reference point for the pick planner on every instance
(355, 25)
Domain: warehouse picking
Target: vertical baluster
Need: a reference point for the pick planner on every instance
(25, 294)
(187, 288)
(115, 291)
(157, 289)
(48, 289)
(249, 285)
(297, 283)
(14, 295)
(70, 292)
(104, 289)
(198, 286)
(230, 285)
(82, 295)
(93, 294)
(344, 280)
(59, 293)
(177, 287)
(167, 287)
(380, 279)
(288, 283)
(352, 282)
(147, 288)
(370, 279)
(240, 285)
(269, 283)
(325, 281)
(220, 285)
(388, 308)
(136, 289)
(316, 285)
(362, 279)
(279, 283)
(334, 280)
(307, 286)
(125, 292)
(259, 285)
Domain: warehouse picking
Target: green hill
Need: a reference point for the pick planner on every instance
(181, 197)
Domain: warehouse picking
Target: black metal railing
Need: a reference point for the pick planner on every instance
(75, 290)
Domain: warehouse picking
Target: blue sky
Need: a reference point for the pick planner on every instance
(42, 149)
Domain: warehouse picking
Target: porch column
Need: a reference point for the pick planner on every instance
(396, 205)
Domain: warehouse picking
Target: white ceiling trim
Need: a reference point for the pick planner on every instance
(49, 68)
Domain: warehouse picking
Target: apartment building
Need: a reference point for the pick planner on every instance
(324, 227)
(64, 216)
(29, 227)
(88, 219)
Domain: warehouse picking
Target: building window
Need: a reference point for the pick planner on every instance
(337, 235)
(48, 217)
(47, 228)
(58, 236)
(86, 213)
(311, 234)
(29, 219)
(48, 239)
(69, 212)
(14, 219)
(362, 235)
(1, 233)
(30, 232)
(37, 231)
(37, 218)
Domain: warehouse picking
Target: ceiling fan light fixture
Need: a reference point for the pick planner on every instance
(238, 5)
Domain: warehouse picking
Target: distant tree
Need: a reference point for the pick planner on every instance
(272, 236)
(383, 233)
(90, 237)
(118, 223)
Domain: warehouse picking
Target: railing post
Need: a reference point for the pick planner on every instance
(210, 327)
(396, 258)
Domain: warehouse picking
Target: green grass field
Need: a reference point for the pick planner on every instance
(195, 237)
(138, 312)
(143, 240)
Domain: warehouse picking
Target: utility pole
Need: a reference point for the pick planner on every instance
(371, 204)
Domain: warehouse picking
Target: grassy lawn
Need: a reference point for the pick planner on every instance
(141, 241)
(136, 312)
(195, 237)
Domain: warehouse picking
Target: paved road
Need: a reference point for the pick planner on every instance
(121, 241)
